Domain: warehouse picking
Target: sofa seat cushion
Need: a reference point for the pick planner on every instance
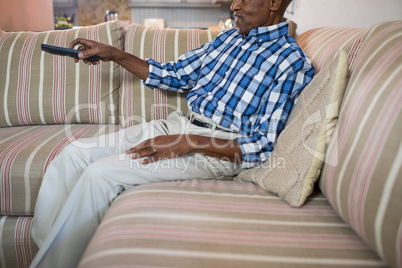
(364, 181)
(200, 223)
(40, 88)
(322, 44)
(25, 152)
(17, 248)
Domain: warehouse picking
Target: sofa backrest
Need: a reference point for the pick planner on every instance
(39, 88)
(322, 44)
(362, 177)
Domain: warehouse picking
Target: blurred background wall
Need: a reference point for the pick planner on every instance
(310, 14)
(26, 15)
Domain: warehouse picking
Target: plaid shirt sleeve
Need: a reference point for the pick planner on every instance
(177, 76)
(257, 148)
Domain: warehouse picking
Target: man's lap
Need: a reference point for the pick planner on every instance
(109, 154)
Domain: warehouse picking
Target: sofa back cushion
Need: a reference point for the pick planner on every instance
(138, 103)
(322, 44)
(40, 88)
(362, 177)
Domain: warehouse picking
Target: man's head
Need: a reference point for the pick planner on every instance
(251, 14)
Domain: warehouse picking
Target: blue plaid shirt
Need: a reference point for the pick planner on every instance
(245, 83)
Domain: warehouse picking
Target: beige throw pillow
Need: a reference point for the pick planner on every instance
(298, 157)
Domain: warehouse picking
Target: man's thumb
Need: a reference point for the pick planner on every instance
(81, 55)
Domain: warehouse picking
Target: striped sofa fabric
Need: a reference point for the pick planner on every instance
(199, 223)
(365, 186)
(39, 95)
(222, 224)
(25, 152)
(227, 224)
(39, 88)
(17, 248)
(322, 44)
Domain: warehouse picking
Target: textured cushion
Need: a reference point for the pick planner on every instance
(137, 102)
(365, 186)
(296, 161)
(39, 88)
(292, 29)
(222, 224)
(322, 44)
(25, 152)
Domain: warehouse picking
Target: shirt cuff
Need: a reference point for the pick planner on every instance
(252, 155)
(154, 76)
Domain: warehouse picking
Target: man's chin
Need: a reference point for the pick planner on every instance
(240, 31)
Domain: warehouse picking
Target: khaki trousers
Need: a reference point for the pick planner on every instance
(80, 184)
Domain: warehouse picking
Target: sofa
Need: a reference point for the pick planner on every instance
(351, 218)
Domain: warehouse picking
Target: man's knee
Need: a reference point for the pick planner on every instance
(71, 150)
(76, 154)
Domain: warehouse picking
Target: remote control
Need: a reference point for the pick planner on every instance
(61, 51)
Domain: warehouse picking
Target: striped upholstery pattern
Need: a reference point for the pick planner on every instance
(321, 44)
(17, 248)
(365, 185)
(222, 224)
(25, 152)
(39, 88)
(137, 102)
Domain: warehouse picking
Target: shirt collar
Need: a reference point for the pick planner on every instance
(272, 32)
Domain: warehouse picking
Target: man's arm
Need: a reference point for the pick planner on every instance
(165, 146)
(131, 63)
(258, 146)
(171, 146)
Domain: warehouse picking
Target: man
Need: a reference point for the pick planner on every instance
(241, 88)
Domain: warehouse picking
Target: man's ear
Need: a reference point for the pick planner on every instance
(276, 5)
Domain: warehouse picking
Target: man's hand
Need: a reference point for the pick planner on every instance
(131, 63)
(92, 48)
(171, 146)
(161, 147)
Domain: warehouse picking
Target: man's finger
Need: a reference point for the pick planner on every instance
(81, 41)
(143, 152)
(89, 53)
(138, 147)
(74, 43)
(150, 159)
